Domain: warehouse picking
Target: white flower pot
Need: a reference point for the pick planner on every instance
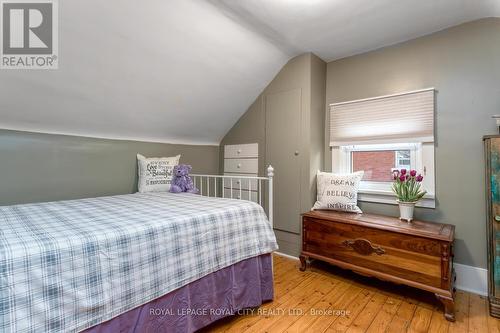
(406, 210)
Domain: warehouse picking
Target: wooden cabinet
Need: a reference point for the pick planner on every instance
(492, 158)
(418, 254)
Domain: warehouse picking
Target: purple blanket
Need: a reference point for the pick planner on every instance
(246, 284)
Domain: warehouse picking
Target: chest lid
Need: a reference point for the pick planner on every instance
(432, 230)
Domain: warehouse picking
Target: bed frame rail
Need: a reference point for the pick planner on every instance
(238, 187)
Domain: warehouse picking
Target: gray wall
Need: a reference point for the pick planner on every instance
(463, 64)
(44, 167)
(306, 72)
(315, 149)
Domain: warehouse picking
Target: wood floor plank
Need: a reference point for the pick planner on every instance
(281, 267)
(368, 305)
(365, 318)
(297, 282)
(354, 309)
(278, 259)
(309, 311)
(295, 306)
(438, 323)
(242, 323)
(321, 323)
(477, 314)
(324, 306)
(283, 285)
(385, 315)
(461, 324)
(401, 321)
(421, 320)
(299, 288)
(493, 323)
(245, 322)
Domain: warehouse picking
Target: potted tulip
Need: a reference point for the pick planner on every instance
(407, 187)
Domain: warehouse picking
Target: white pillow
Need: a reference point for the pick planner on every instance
(338, 191)
(155, 174)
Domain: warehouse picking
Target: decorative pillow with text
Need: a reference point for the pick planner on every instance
(155, 174)
(338, 191)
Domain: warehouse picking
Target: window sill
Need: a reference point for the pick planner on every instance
(388, 197)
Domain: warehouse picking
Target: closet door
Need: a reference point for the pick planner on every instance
(283, 123)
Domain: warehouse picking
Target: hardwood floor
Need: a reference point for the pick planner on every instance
(355, 304)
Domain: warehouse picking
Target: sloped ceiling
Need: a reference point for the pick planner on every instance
(334, 29)
(183, 71)
(176, 71)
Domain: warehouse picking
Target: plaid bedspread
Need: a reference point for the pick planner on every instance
(68, 265)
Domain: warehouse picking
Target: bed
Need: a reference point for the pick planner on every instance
(137, 262)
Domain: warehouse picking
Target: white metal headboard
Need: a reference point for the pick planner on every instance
(232, 187)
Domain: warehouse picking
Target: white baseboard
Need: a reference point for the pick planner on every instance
(469, 278)
(285, 255)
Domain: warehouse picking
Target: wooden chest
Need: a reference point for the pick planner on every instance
(418, 254)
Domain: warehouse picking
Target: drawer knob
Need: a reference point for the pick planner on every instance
(363, 246)
(239, 165)
(239, 151)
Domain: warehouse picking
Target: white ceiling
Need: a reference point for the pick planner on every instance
(186, 70)
(174, 71)
(334, 29)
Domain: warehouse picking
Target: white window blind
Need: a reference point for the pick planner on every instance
(406, 117)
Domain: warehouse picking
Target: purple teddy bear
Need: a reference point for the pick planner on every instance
(181, 182)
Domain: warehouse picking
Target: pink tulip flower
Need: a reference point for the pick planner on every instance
(413, 173)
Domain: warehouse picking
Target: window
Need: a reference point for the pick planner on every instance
(379, 165)
(403, 159)
(381, 134)
(378, 161)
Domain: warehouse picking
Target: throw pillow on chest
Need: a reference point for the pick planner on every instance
(338, 191)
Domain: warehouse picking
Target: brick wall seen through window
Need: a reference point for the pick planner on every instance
(377, 165)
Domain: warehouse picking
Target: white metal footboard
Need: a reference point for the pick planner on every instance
(238, 187)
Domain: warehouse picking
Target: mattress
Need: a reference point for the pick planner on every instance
(69, 265)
